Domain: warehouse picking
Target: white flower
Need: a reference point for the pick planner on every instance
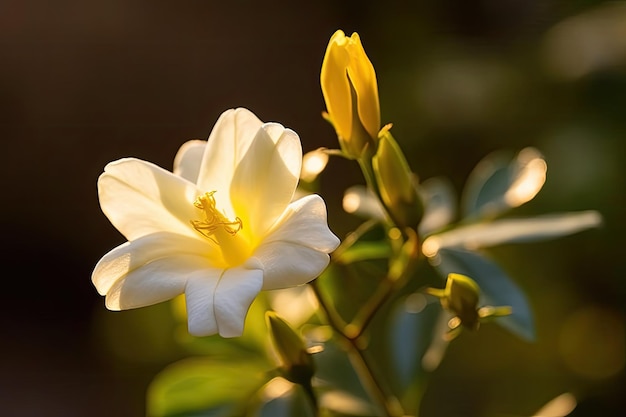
(219, 229)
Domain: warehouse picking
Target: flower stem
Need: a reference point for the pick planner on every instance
(388, 404)
(368, 173)
(385, 290)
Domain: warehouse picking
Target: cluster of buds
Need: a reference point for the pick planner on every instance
(350, 91)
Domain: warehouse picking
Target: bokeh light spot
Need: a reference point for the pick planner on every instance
(592, 342)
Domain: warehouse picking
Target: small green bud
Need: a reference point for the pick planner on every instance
(396, 183)
(461, 297)
(297, 362)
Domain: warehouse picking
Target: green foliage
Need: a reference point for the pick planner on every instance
(499, 183)
(206, 386)
(412, 327)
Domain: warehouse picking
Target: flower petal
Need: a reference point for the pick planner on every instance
(266, 177)
(363, 78)
(335, 84)
(129, 256)
(234, 293)
(188, 159)
(154, 282)
(199, 297)
(140, 198)
(287, 264)
(227, 144)
(304, 223)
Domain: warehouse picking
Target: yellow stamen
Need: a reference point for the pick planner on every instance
(213, 219)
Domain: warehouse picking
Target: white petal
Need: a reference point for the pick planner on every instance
(154, 282)
(188, 159)
(199, 297)
(287, 264)
(266, 177)
(304, 223)
(234, 293)
(140, 198)
(132, 255)
(228, 143)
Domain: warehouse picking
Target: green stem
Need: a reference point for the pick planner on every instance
(387, 403)
(357, 358)
(353, 237)
(308, 389)
(385, 290)
(368, 174)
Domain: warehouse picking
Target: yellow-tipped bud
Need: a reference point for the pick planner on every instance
(396, 183)
(350, 91)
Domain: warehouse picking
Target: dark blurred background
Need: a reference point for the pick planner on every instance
(83, 83)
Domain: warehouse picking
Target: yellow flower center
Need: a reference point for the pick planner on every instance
(220, 230)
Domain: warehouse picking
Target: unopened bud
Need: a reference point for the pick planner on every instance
(296, 360)
(396, 183)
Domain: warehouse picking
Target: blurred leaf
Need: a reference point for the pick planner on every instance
(504, 231)
(289, 403)
(497, 289)
(439, 204)
(348, 287)
(496, 185)
(363, 202)
(412, 322)
(196, 385)
(362, 251)
(337, 403)
(335, 372)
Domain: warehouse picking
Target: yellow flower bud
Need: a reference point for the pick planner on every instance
(396, 182)
(350, 91)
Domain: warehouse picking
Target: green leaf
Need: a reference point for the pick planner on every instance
(439, 204)
(348, 287)
(363, 251)
(412, 323)
(498, 232)
(497, 289)
(496, 185)
(294, 402)
(335, 372)
(197, 386)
